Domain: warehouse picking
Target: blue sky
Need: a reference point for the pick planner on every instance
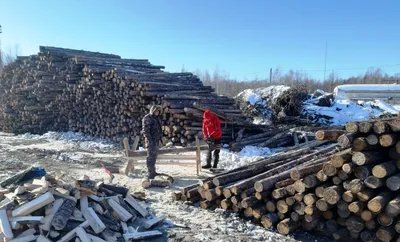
(243, 38)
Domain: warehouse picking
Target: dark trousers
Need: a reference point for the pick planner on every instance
(152, 152)
(214, 148)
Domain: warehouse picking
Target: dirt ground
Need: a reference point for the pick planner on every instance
(73, 156)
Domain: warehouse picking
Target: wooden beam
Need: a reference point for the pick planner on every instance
(33, 205)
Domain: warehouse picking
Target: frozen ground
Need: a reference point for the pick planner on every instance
(73, 155)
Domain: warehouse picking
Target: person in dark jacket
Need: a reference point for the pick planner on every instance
(212, 134)
(152, 133)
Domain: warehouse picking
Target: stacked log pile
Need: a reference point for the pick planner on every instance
(106, 96)
(348, 189)
(49, 209)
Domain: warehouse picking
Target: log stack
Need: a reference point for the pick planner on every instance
(49, 209)
(106, 96)
(349, 188)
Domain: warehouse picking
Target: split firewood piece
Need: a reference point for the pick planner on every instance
(49, 217)
(27, 233)
(71, 234)
(94, 221)
(83, 202)
(25, 239)
(95, 238)
(5, 225)
(33, 205)
(82, 235)
(122, 213)
(41, 238)
(153, 222)
(87, 186)
(131, 201)
(27, 219)
(117, 189)
(62, 215)
(142, 235)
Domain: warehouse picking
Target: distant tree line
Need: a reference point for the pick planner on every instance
(6, 57)
(225, 85)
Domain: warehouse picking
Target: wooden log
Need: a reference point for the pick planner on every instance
(259, 212)
(331, 135)
(348, 196)
(346, 140)
(361, 144)
(368, 215)
(365, 127)
(271, 206)
(319, 191)
(384, 219)
(299, 208)
(381, 127)
(310, 199)
(269, 220)
(397, 226)
(343, 176)
(393, 182)
(388, 140)
(332, 225)
(282, 206)
(211, 195)
(367, 157)
(357, 206)
(321, 176)
(341, 233)
(333, 194)
(379, 202)
(287, 226)
(280, 193)
(284, 183)
(262, 195)
(298, 197)
(33, 205)
(226, 203)
(385, 234)
(372, 139)
(352, 127)
(374, 182)
(290, 200)
(355, 224)
(384, 169)
(322, 205)
(329, 169)
(393, 207)
(349, 167)
(356, 185)
(295, 217)
(366, 194)
(341, 158)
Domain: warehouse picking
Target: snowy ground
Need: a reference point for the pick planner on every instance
(74, 155)
(340, 111)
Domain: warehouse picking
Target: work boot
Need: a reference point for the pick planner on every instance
(208, 165)
(216, 158)
(151, 173)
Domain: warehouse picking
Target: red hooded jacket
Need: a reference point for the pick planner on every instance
(211, 126)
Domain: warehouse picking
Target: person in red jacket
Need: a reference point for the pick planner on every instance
(212, 134)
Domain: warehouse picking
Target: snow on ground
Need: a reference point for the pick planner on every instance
(344, 110)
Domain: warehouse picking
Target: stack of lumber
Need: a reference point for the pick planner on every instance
(349, 191)
(49, 209)
(106, 96)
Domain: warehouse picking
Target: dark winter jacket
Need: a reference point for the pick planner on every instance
(151, 125)
(211, 126)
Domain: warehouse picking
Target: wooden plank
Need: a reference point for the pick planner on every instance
(131, 201)
(5, 225)
(153, 222)
(166, 151)
(33, 205)
(94, 221)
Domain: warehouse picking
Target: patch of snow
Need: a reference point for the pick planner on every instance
(74, 139)
(231, 160)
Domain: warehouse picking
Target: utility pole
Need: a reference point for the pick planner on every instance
(270, 75)
(1, 55)
(326, 53)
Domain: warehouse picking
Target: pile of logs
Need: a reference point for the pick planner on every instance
(49, 209)
(106, 96)
(348, 189)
